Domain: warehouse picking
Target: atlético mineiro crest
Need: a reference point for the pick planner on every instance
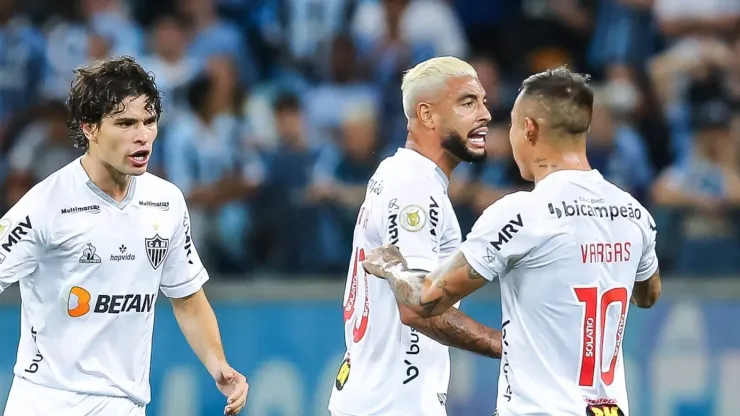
(156, 250)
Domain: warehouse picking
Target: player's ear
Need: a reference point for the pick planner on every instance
(90, 130)
(424, 114)
(531, 130)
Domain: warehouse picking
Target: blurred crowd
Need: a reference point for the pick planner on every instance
(278, 111)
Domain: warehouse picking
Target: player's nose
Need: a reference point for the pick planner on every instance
(485, 116)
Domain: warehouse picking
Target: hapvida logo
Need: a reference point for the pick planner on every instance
(123, 256)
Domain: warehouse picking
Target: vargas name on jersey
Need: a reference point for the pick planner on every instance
(567, 255)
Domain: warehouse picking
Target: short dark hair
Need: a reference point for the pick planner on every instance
(99, 90)
(567, 96)
(287, 102)
(197, 92)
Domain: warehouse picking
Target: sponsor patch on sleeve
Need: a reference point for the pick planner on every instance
(413, 218)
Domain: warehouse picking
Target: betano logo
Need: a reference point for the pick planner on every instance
(79, 303)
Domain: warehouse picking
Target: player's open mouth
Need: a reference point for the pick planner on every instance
(477, 137)
(140, 158)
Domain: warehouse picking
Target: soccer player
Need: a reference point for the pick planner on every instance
(397, 362)
(91, 246)
(569, 255)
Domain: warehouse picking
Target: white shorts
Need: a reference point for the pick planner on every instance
(29, 399)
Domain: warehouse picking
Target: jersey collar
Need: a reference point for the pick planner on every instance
(416, 157)
(99, 192)
(571, 175)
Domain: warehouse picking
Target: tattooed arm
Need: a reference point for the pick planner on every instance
(456, 329)
(427, 295)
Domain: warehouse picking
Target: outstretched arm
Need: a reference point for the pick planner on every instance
(427, 295)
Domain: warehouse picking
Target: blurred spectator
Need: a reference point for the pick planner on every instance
(41, 148)
(625, 35)
(615, 146)
(284, 238)
(274, 179)
(413, 22)
(90, 30)
(204, 157)
(680, 19)
(22, 62)
(341, 88)
(700, 195)
(111, 19)
(708, 180)
(681, 75)
(172, 68)
(339, 182)
(299, 29)
(212, 35)
(553, 32)
(489, 75)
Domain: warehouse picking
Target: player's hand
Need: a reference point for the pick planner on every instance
(382, 260)
(234, 386)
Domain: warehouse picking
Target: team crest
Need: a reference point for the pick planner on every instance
(413, 218)
(156, 250)
(343, 374)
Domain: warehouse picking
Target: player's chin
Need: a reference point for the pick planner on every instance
(135, 169)
(476, 153)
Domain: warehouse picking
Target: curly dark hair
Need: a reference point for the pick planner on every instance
(99, 90)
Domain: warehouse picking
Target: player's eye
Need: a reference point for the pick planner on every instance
(126, 123)
(468, 104)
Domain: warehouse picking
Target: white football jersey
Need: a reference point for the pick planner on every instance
(567, 255)
(89, 270)
(391, 369)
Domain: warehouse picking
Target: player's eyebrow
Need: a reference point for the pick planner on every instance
(132, 120)
(471, 96)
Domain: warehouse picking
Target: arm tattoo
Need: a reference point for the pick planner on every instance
(473, 274)
(455, 329)
(407, 288)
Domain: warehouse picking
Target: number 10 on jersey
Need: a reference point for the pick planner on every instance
(594, 323)
(358, 330)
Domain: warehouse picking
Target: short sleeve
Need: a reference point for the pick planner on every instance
(183, 272)
(414, 223)
(492, 242)
(22, 240)
(648, 259)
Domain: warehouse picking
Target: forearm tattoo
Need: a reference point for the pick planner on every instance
(407, 287)
(455, 329)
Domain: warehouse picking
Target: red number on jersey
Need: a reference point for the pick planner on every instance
(594, 322)
(358, 332)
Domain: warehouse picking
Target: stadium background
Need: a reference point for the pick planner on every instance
(279, 110)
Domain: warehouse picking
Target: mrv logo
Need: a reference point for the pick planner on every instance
(610, 212)
(508, 231)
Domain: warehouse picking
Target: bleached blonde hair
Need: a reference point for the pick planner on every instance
(429, 76)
